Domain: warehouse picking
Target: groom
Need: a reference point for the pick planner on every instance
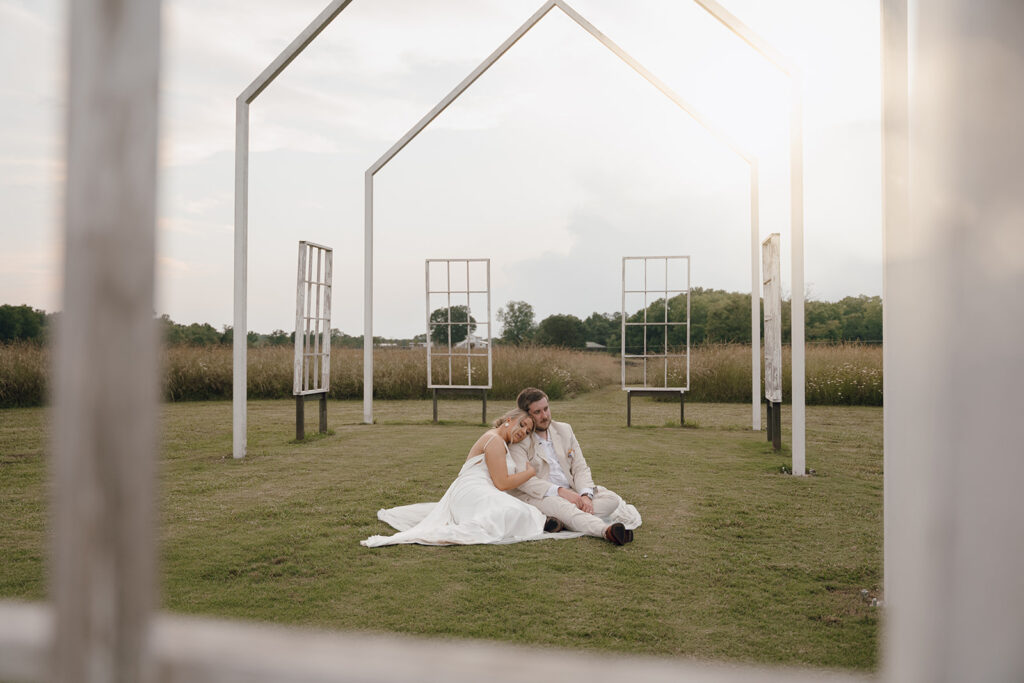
(563, 487)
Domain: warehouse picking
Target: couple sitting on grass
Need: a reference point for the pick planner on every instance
(525, 479)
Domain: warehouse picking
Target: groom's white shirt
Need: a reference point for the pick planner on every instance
(567, 454)
(556, 476)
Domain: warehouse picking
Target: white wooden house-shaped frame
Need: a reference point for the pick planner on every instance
(796, 208)
(954, 607)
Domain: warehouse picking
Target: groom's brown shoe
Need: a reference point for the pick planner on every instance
(553, 526)
(618, 534)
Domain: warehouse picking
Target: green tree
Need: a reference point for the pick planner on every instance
(21, 323)
(440, 329)
(603, 328)
(516, 318)
(280, 338)
(561, 330)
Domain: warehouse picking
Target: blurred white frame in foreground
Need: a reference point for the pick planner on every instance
(953, 513)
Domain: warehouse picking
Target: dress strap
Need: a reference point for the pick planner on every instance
(488, 443)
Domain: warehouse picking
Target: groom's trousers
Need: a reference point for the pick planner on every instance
(605, 503)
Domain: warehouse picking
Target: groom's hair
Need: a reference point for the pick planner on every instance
(527, 396)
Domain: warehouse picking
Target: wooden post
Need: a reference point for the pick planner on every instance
(323, 413)
(106, 358)
(776, 414)
(769, 421)
(300, 417)
(483, 396)
(629, 408)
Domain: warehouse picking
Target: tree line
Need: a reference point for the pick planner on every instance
(715, 316)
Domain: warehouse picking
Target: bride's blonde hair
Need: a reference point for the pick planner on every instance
(513, 415)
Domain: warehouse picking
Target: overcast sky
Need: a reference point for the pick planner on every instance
(558, 162)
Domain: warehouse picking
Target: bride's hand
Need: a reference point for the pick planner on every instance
(530, 470)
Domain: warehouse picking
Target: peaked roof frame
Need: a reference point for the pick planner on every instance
(796, 214)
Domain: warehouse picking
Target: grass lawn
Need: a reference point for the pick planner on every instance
(734, 560)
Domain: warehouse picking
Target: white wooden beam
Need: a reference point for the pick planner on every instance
(239, 420)
(239, 333)
(755, 302)
(106, 362)
(446, 101)
(895, 168)
(198, 650)
(368, 298)
(954, 236)
(662, 87)
(796, 160)
(798, 346)
(293, 50)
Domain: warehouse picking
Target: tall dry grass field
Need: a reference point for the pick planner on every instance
(24, 374)
(836, 374)
(845, 374)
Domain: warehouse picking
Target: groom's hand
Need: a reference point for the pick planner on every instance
(570, 495)
(582, 502)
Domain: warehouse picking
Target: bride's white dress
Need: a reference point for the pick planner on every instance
(471, 511)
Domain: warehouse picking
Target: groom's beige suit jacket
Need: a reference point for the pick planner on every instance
(570, 458)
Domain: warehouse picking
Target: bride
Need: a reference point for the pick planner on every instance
(475, 509)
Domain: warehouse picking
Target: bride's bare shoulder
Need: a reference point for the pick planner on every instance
(481, 443)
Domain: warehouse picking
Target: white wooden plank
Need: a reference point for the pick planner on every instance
(770, 251)
(325, 382)
(798, 346)
(895, 168)
(293, 50)
(298, 384)
(198, 650)
(106, 357)
(368, 298)
(239, 369)
(26, 641)
(953, 331)
(755, 303)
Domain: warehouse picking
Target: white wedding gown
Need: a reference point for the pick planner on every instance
(471, 511)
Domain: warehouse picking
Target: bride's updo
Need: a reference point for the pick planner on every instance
(514, 415)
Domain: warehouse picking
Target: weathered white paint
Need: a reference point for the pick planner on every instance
(312, 363)
(666, 293)
(298, 363)
(770, 252)
(106, 383)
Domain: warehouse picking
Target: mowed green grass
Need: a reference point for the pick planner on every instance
(734, 560)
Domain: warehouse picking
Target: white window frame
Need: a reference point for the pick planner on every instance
(312, 371)
(449, 353)
(666, 293)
